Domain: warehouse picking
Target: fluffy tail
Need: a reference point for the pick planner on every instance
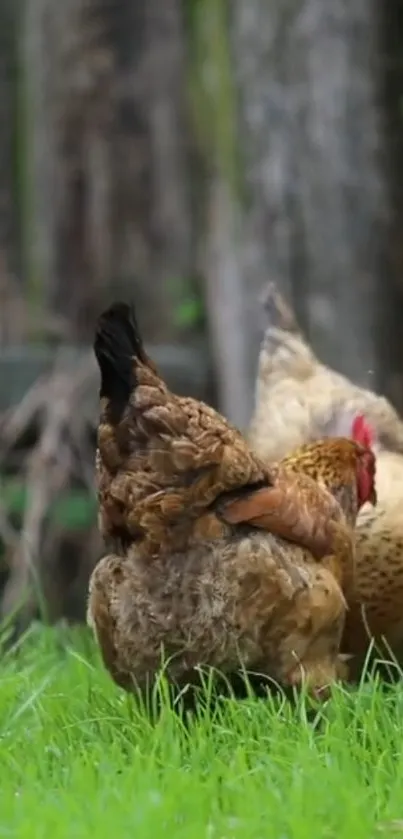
(282, 414)
(117, 344)
(278, 313)
(284, 352)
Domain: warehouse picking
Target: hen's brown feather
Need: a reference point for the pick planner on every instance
(247, 603)
(314, 503)
(168, 459)
(182, 502)
(296, 509)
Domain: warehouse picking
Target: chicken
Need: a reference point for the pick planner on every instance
(375, 611)
(185, 510)
(298, 399)
(345, 468)
(166, 460)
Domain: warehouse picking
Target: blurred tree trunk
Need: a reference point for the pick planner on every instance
(225, 301)
(110, 166)
(316, 211)
(10, 152)
(390, 64)
(317, 205)
(214, 107)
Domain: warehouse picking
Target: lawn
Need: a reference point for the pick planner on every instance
(79, 759)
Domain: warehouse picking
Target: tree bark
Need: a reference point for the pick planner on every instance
(225, 302)
(10, 186)
(390, 68)
(110, 167)
(317, 204)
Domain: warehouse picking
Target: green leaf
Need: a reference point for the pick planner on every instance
(74, 509)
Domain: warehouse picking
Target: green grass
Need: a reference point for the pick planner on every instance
(78, 759)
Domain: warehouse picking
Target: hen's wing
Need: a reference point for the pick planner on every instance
(296, 508)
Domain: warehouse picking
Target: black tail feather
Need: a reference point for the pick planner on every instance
(117, 342)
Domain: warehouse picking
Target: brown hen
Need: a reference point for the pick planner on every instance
(192, 575)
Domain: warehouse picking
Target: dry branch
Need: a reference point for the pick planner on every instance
(64, 403)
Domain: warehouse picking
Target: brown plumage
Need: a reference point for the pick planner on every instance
(344, 472)
(191, 570)
(298, 399)
(221, 604)
(346, 468)
(376, 609)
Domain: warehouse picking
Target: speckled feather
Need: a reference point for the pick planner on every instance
(376, 607)
(298, 399)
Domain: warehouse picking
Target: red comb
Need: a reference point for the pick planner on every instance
(361, 431)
